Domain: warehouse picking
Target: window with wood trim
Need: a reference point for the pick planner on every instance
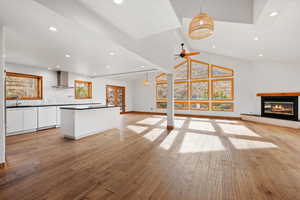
(200, 90)
(219, 72)
(181, 105)
(199, 70)
(23, 86)
(83, 89)
(198, 85)
(161, 91)
(181, 71)
(222, 89)
(161, 105)
(225, 107)
(203, 106)
(161, 78)
(181, 90)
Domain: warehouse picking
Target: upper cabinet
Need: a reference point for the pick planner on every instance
(23, 86)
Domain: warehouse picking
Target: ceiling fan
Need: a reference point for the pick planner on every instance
(184, 54)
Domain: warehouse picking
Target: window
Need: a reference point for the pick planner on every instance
(227, 107)
(161, 91)
(23, 86)
(181, 71)
(83, 89)
(198, 86)
(203, 106)
(181, 105)
(199, 70)
(161, 105)
(200, 90)
(161, 78)
(181, 90)
(218, 72)
(222, 89)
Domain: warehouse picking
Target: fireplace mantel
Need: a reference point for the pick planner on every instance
(281, 94)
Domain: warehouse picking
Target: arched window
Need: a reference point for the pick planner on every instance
(198, 86)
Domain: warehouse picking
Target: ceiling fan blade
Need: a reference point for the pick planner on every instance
(192, 54)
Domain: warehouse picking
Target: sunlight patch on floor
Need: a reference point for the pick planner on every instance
(202, 126)
(201, 119)
(149, 121)
(169, 140)
(237, 130)
(154, 134)
(137, 129)
(195, 142)
(226, 121)
(251, 144)
(178, 123)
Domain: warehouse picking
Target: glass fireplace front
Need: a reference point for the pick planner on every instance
(282, 107)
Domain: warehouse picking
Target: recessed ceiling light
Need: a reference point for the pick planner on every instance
(49, 68)
(112, 53)
(53, 29)
(213, 46)
(118, 2)
(261, 55)
(57, 66)
(107, 66)
(142, 66)
(68, 56)
(273, 14)
(255, 38)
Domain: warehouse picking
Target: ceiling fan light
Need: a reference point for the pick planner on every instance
(201, 26)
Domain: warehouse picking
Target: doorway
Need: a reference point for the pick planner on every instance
(115, 95)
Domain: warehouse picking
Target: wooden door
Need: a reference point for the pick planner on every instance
(115, 95)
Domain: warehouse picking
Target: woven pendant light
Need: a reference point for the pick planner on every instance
(201, 26)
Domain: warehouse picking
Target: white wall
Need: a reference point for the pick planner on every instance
(274, 77)
(55, 95)
(2, 109)
(250, 79)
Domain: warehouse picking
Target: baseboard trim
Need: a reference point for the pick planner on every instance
(185, 115)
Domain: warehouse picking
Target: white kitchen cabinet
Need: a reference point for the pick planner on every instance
(21, 120)
(58, 120)
(46, 117)
(30, 118)
(14, 120)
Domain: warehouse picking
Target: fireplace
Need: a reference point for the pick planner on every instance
(282, 107)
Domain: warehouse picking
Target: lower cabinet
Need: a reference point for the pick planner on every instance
(21, 120)
(14, 120)
(46, 117)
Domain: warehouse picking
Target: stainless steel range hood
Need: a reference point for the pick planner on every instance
(62, 80)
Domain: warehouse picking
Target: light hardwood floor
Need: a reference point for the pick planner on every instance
(201, 159)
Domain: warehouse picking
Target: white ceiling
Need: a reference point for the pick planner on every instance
(144, 33)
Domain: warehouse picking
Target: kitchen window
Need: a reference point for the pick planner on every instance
(83, 89)
(23, 86)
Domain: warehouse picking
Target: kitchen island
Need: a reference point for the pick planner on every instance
(81, 121)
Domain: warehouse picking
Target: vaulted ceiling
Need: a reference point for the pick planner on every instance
(143, 34)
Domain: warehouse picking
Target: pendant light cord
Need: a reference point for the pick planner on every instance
(201, 6)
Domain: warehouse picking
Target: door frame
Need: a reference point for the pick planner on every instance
(116, 95)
